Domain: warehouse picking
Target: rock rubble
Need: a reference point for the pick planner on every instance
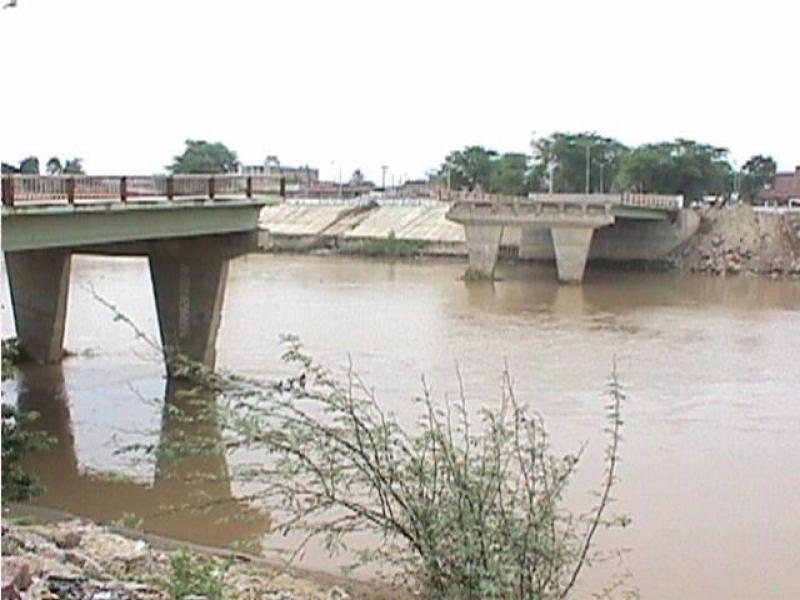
(740, 240)
(77, 560)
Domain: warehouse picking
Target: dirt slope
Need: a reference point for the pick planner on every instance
(740, 239)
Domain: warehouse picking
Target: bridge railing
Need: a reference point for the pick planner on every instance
(59, 189)
(647, 201)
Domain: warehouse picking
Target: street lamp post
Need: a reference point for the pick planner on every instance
(551, 169)
(588, 166)
(602, 181)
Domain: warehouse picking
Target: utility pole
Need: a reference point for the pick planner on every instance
(588, 155)
(383, 176)
(602, 167)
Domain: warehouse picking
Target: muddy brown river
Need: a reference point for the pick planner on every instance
(710, 471)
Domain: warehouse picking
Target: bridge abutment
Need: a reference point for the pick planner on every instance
(483, 246)
(39, 285)
(189, 286)
(571, 245)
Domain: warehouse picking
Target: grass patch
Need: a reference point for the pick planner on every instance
(390, 246)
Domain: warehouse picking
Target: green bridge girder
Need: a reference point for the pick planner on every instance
(40, 227)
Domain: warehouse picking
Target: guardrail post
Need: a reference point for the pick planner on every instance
(170, 188)
(8, 191)
(70, 190)
(211, 187)
(123, 188)
(282, 188)
(248, 190)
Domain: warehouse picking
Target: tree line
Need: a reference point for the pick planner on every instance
(592, 163)
(55, 166)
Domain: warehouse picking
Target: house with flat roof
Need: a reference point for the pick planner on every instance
(785, 189)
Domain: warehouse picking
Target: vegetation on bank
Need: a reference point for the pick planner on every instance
(18, 438)
(389, 247)
(465, 508)
(191, 575)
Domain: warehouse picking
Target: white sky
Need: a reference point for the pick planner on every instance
(346, 84)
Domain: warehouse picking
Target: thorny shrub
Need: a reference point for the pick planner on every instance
(465, 510)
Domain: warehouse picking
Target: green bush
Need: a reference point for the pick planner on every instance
(19, 486)
(17, 440)
(464, 510)
(190, 575)
(11, 356)
(391, 247)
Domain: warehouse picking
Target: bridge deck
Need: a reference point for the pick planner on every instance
(561, 209)
(69, 212)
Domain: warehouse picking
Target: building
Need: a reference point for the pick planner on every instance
(785, 189)
(302, 176)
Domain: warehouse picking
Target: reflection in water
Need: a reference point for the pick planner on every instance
(190, 497)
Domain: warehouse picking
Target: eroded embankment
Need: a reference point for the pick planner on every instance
(741, 239)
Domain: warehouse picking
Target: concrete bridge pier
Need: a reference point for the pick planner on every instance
(189, 286)
(483, 246)
(571, 245)
(39, 285)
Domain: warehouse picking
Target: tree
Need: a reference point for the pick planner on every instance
(203, 157)
(680, 167)
(565, 154)
(54, 166)
(29, 166)
(469, 169)
(509, 174)
(73, 166)
(755, 176)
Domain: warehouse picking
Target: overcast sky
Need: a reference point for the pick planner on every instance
(344, 84)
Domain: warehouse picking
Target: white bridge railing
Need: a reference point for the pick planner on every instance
(59, 189)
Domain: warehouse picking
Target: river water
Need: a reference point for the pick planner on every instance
(710, 471)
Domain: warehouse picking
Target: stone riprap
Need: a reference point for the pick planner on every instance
(85, 561)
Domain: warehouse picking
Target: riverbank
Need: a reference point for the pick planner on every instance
(48, 554)
(743, 239)
(729, 241)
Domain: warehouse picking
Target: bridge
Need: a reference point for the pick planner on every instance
(633, 225)
(189, 227)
